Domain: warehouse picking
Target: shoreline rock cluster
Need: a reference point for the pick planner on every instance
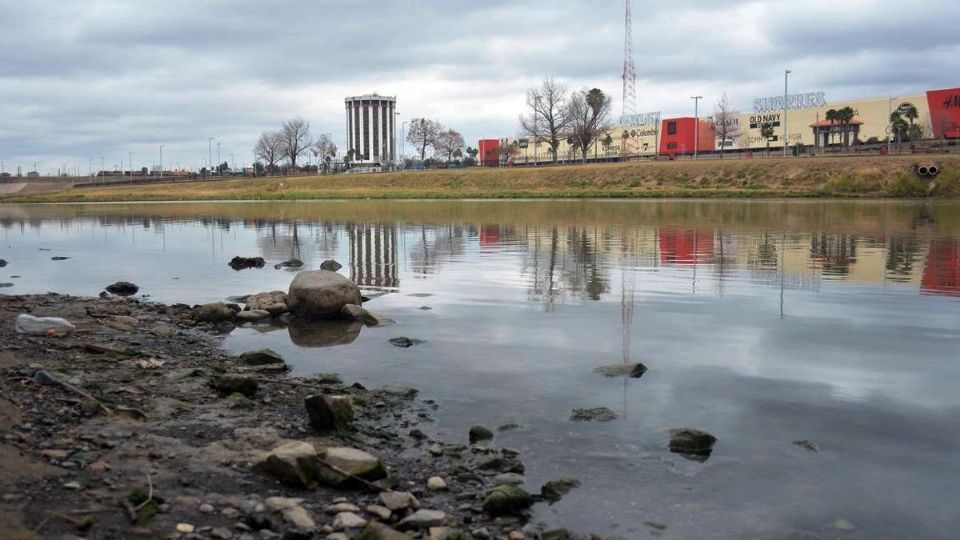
(135, 423)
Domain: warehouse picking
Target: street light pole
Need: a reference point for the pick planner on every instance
(218, 159)
(696, 125)
(786, 76)
(161, 161)
(130, 163)
(210, 153)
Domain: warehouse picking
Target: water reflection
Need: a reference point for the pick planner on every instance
(760, 322)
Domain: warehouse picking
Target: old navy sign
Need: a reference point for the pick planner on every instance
(795, 101)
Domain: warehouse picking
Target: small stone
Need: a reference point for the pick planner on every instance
(292, 512)
(399, 500)
(289, 263)
(261, 357)
(330, 413)
(379, 531)
(807, 445)
(556, 534)
(422, 519)
(293, 462)
(232, 383)
(185, 528)
(337, 536)
(515, 535)
(441, 533)
(404, 342)
(506, 500)
(480, 433)
(843, 525)
(221, 533)
(72, 486)
(513, 479)
(274, 302)
(252, 316)
(691, 442)
(597, 414)
(206, 508)
(352, 461)
(240, 263)
(634, 371)
(348, 520)
(554, 490)
(214, 313)
(381, 512)
(123, 288)
(330, 265)
(353, 312)
(341, 507)
(436, 483)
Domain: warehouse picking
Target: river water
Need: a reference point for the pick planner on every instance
(762, 322)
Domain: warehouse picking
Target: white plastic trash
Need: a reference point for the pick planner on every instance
(28, 324)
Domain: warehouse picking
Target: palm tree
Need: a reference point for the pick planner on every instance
(766, 131)
(832, 117)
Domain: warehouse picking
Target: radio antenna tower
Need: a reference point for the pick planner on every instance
(629, 70)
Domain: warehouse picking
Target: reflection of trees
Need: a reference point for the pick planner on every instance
(835, 252)
(279, 240)
(567, 263)
(901, 254)
(435, 245)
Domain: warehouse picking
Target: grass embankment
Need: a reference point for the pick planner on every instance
(793, 177)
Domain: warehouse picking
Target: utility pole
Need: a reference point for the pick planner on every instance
(786, 78)
(130, 161)
(210, 153)
(161, 161)
(218, 158)
(696, 125)
(101, 167)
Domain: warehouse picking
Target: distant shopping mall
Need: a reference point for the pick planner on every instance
(813, 126)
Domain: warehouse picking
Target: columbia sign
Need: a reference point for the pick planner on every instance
(795, 101)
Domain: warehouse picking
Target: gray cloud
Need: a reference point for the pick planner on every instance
(81, 79)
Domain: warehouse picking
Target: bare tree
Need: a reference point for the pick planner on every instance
(269, 148)
(325, 149)
(548, 116)
(296, 139)
(450, 144)
(726, 122)
(423, 133)
(589, 112)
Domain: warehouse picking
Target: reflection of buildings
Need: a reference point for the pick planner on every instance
(373, 255)
(942, 272)
(685, 246)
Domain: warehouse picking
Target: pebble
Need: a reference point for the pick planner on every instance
(436, 483)
(381, 512)
(221, 533)
(206, 508)
(843, 525)
(341, 507)
(72, 485)
(515, 535)
(348, 520)
(184, 528)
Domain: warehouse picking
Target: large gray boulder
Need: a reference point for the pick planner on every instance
(320, 294)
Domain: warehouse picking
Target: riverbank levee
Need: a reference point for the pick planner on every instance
(890, 176)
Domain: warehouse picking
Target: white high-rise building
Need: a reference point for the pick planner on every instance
(372, 129)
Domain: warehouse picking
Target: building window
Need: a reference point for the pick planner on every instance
(671, 128)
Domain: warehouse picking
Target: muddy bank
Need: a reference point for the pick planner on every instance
(137, 424)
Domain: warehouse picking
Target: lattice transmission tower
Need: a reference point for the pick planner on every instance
(629, 70)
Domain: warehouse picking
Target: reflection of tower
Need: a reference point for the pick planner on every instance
(373, 255)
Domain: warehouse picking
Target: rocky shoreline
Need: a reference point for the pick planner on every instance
(137, 424)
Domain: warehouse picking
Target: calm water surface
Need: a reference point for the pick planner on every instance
(761, 322)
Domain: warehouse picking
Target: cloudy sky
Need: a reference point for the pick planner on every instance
(81, 79)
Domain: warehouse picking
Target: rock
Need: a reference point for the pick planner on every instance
(274, 302)
(556, 534)
(231, 383)
(123, 288)
(59, 258)
(321, 294)
(292, 512)
(381, 512)
(512, 426)
(2, 263)
(348, 520)
(598, 414)
(44, 378)
(221, 533)
(341, 507)
(330, 265)
(515, 535)
(480, 433)
(260, 357)
(240, 263)
(422, 519)
(293, 462)
(634, 371)
(214, 313)
(351, 461)
(509, 478)
(506, 500)
(353, 312)
(252, 316)
(691, 442)
(379, 531)
(501, 464)
(206, 508)
(399, 500)
(554, 490)
(289, 263)
(185, 528)
(404, 342)
(844, 525)
(807, 445)
(330, 413)
(6, 285)
(435, 483)
(38, 326)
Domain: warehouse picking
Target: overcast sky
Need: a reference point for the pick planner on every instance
(83, 78)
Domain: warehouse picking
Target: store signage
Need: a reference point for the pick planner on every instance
(758, 120)
(640, 119)
(795, 101)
